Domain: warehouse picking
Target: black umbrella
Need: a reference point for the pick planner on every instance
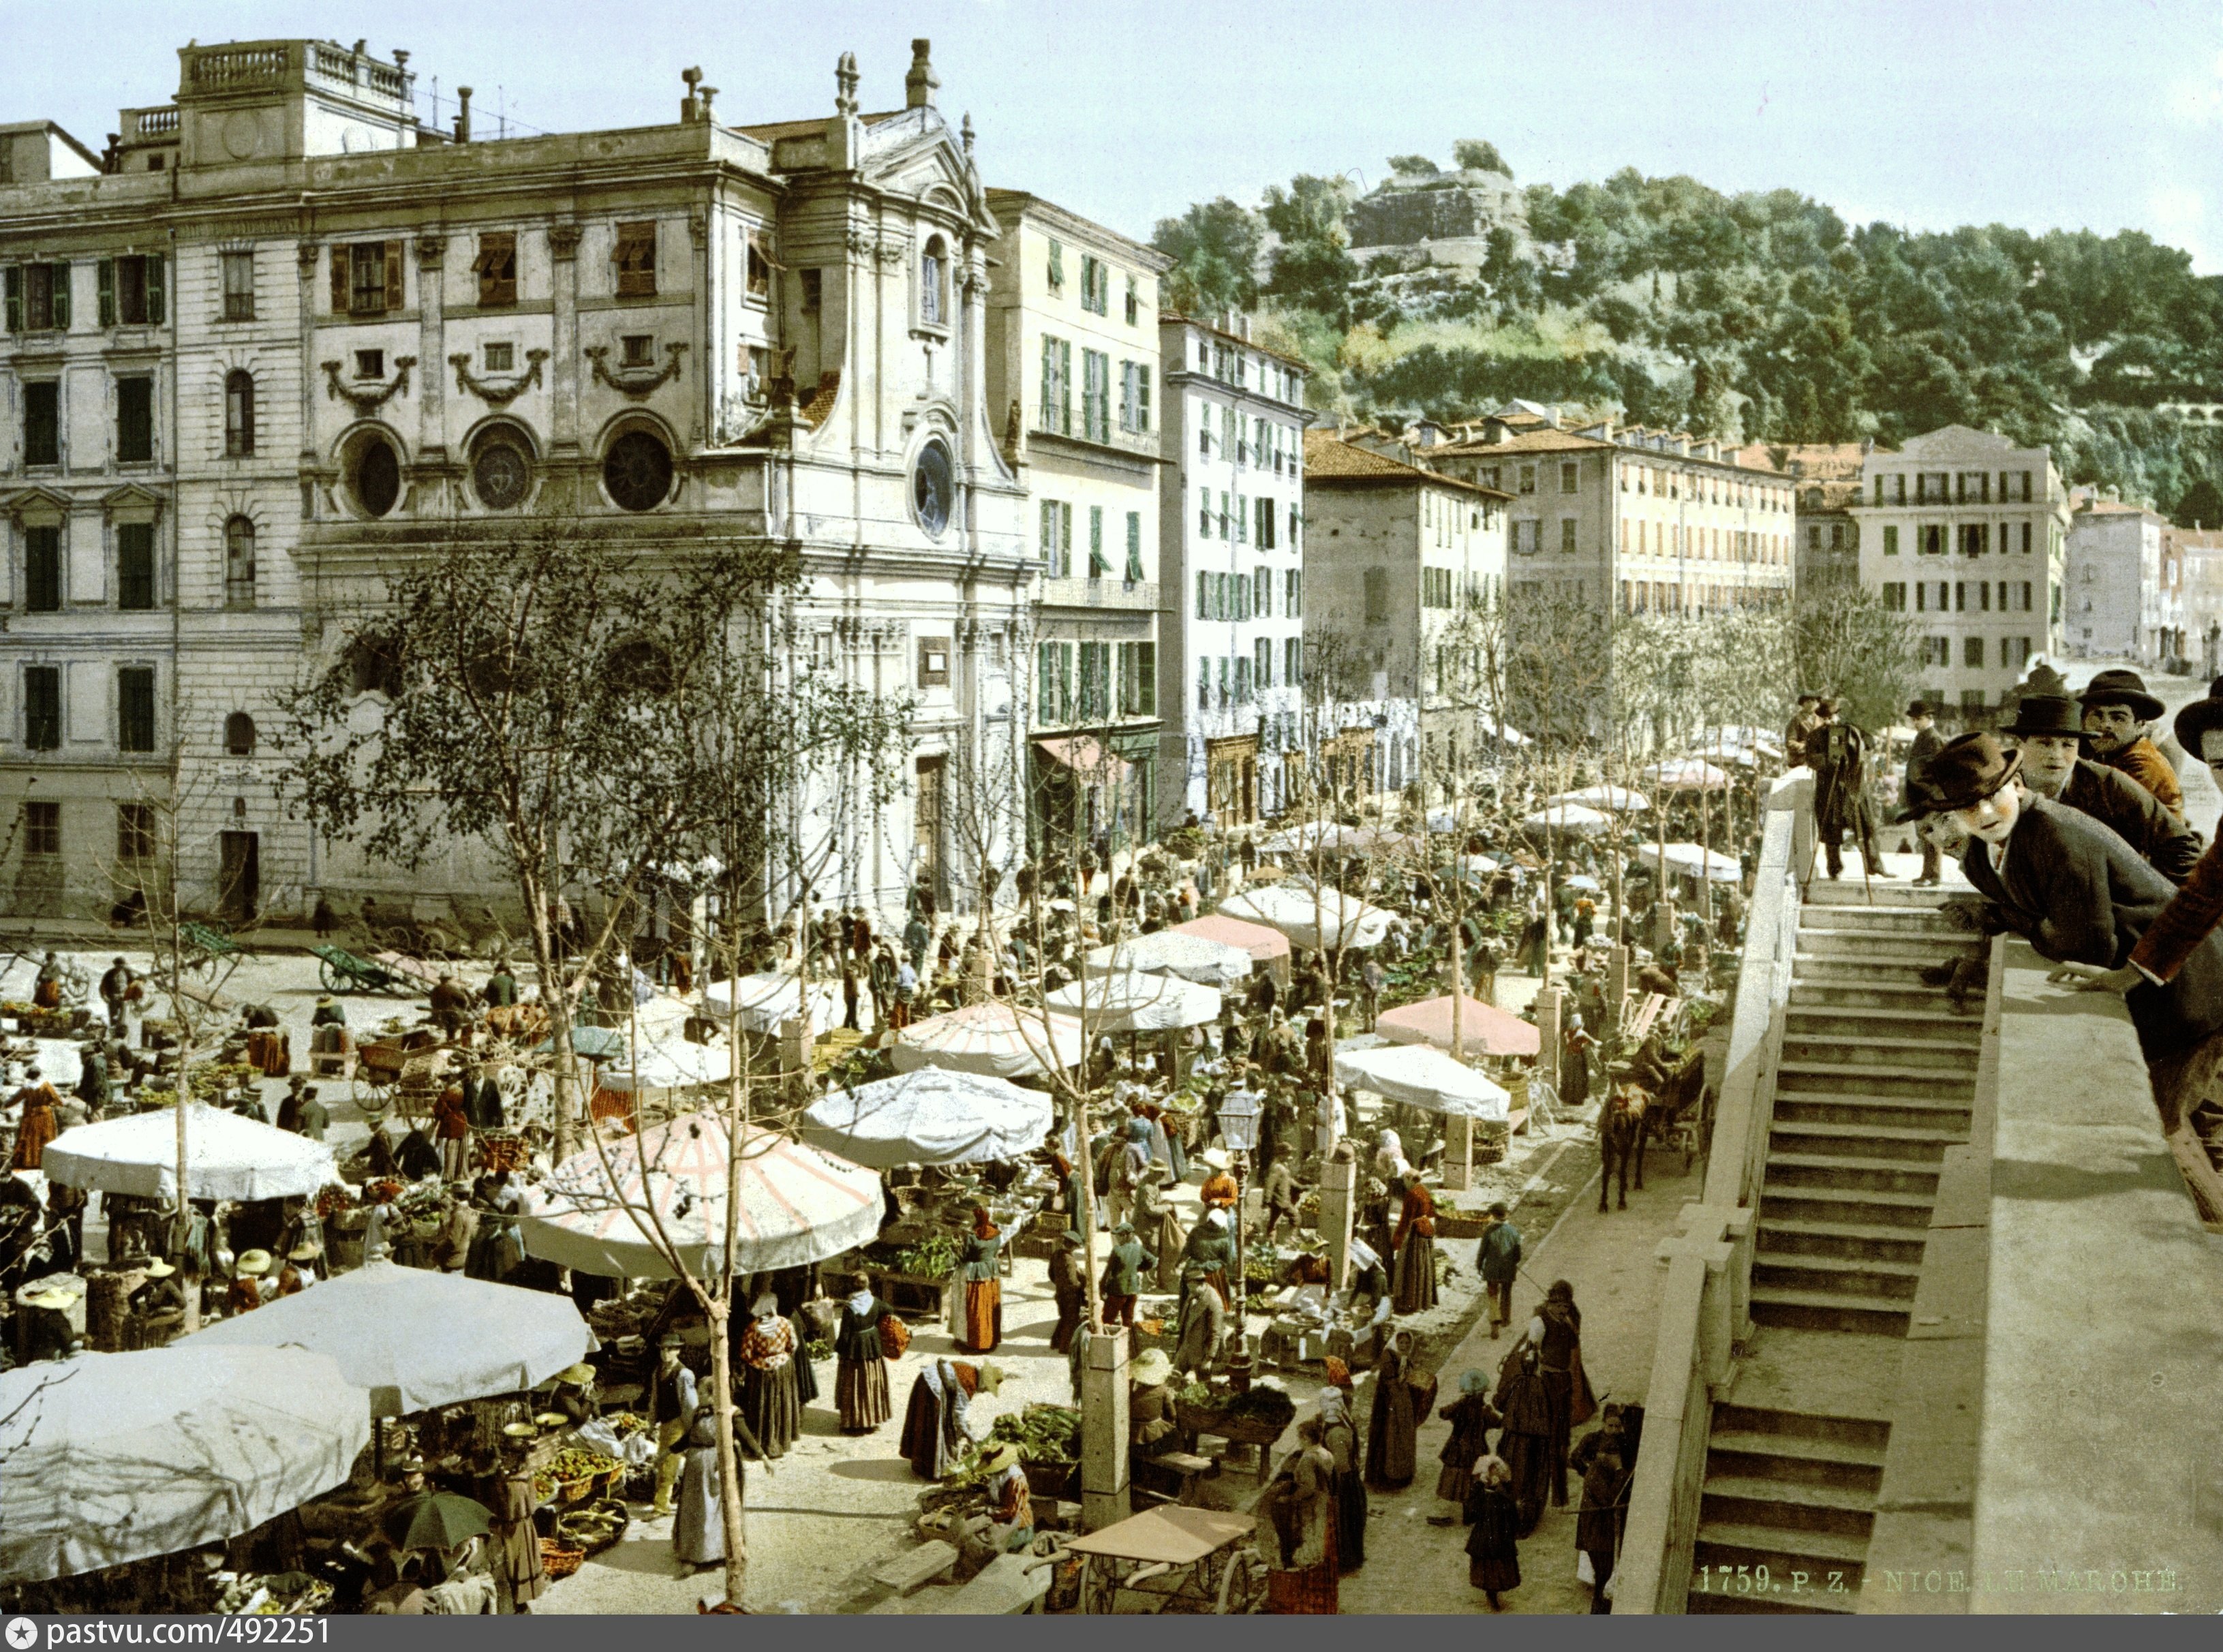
(439, 1520)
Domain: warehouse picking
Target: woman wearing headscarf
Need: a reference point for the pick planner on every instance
(937, 1430)
(1525, 1443)
(1413, 1289)
(698, 1530)
(860, 1373)
(771, 1405)
(1339, 1436)
(984, 1292)
(1557, 1332)
(1402, 1395)
(1302, 1499)
(1598, 1527)
(1472, 1416)
(1010, 1501)
(1155, 1219)
(1492, 1546)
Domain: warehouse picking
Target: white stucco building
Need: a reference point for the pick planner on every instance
(2116, 598)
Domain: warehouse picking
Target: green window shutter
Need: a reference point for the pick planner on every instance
(1204, 596)
(1043, 690)
(1135, 546)
(157, 289)
(1065, 387)
(1048, 381)
(1065, 541)
(339, 283)
(1146, 679)
(15, 292)
(1049, 539)
(1143, 398)
(62, 297)
(1097, 566)
(107, 268)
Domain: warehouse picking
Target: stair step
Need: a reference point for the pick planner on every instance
(1813, 1078)
(1794, 1236)
(1804, 1170)
(1919, 1113)
(1906, 1212)
(1889, 944)
(1859, 993)
(1751, 1500)
(1864, 892)
(1823, 1311)
(1837, 1049)
(1854, 1465)
(1879, 1023)
(1892, 1143)
(1903, 975)
(1879, 920)
(1806, 1493)
(1861, 1281)
(1765, 1541)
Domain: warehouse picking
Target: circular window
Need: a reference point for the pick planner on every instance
(377, 476)
(933, 485)
(502, 475)
(638, 472)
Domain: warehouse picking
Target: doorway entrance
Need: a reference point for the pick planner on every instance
(240, 881)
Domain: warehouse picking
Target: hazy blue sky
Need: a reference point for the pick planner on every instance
(1927, 113)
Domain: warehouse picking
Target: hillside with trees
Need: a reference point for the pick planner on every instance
(1750, 317)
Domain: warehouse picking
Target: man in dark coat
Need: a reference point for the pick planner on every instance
(2048, 731)
(2117, 710)
(2077, 892)
(1928, 742)
(1838, 754)
(1803, 722)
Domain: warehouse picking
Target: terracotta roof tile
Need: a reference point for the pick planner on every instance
(1328, 458)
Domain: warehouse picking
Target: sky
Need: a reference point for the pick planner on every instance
(2107, 115)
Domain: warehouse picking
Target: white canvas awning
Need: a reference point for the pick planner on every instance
(1134, 1002)
(227, 1156)
(930, 1117)
(1168, 952)
(993, 1038)
(1310, 920)
(1420, 1075)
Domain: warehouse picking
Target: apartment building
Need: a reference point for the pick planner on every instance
(2116, 566)
(1634, 520)
(2200, 563)
(285, 336)
(1966, 533)
(1401, 562)
(1072, 323)
(1232, 535)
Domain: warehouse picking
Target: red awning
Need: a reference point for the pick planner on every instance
(1082, 754)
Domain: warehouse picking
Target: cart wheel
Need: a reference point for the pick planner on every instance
(333, 981)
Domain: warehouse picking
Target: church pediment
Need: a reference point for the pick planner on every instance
(131, 499)
(37, 505)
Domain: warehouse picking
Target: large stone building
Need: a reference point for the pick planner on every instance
(1965, 533)
(1231, 662)
(286, 335)
(1072, 361)
(1396, 557)
(2115, 567)
(1632, 520)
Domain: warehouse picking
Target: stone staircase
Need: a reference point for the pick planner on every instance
(1876, 1079)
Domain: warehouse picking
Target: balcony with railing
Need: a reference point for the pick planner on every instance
(1131, 596)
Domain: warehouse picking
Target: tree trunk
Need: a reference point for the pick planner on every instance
(729, 1480)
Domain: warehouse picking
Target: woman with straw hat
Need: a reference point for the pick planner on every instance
(1010, 1500)
(246, 1293)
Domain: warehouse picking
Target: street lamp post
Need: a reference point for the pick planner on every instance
(1239, 1114)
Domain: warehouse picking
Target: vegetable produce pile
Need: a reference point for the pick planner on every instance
(1262, 1264)
(1261, 1404)
(577, 1463)
(206, 1081)
(331, 1200)
(1043, 1434)
(930, 1258)
(818, 1349)
(594, 1526)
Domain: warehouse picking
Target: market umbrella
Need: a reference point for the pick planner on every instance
(1312, 921)
(992, 1039)
(227, 1156)
(1693, 862)
(1420, 1075)
(1264, 944)
(1214, 963)
(417, 1338)
(1582, 880)
(1483, 1031)
(1688, 774)
(797, 1205)
(441, 1520)
(1619, 799)
(669, 1064)
(763, 1002)
(1567, 817)
(930, 1117)
(117, 1457)
(589, 1043)
(1134, 1002)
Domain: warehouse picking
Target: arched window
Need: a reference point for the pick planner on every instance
(239, 735)
(931, 264)
(238, 415)
(239, 563)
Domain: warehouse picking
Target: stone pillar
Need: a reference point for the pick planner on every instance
(1663, 923)
(1459, 1153)
(1104, 1499)
(794, 1041)
(1338, 1200)
(1617, 971)
(564, 337)
(1551, 1016)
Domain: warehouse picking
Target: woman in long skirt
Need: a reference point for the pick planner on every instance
(1471, 1417)
(1303, 1500)
(1492, 1547)
(769, 1405)
(1340, 1438)
(1402, 1395)
(698, 1530)
(1413, 1289)
(1525, 1443)
(861, 1372)
(984, 1292)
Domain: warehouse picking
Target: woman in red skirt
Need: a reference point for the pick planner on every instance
(984, 1292)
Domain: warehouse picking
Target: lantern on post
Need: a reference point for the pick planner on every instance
(1240, 1115)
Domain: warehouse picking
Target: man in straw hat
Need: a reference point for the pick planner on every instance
(2048, 729)
(246, 1294)
(2117, 711)
(2081, 896)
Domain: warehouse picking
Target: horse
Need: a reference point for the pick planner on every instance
(1621, 1137)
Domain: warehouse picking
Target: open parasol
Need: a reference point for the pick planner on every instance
(1264, 944)
(441, 1520)
(1693, 861)
(1167, 952)
(117, 1456)
(1420, 1075)
(1616, 799)
(763, 1002)
(1568, 817)
(992, 1039)
(417, 1338)
(1312, 920)
(1688, 774)
(1134, 1002)
(930, 1117)
(227, 1156)
(797, 1205)
(1483, 1031)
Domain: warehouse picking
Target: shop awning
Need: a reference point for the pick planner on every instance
(1082, 754)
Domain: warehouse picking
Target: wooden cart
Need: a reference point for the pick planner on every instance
(1169, 1559)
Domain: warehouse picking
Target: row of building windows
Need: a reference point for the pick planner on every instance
(134, 566)
(1231, 364)
(1095, 284)
(135, 723)
(1056, 406)
(1956, 488)
(133, 292)
(1237, 679)
(1243, 597)
(2012, 654)
(135, 422)
(1664, 596)
(1267, 443)
(1056, 517)
(135, 837)
(1971, 538)
(1081, 681)
(1440, 589)
(1243, 520)
(1962, 595)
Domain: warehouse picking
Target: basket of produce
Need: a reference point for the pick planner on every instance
(334, 1200)
(577, 1473)
(593, 1527)
(558, 1560)
(1256, 1418)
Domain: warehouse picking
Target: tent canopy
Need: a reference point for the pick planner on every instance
(797, 1205)
(1420, 1075)
(1688, 774)
(1134, 1002)
(762, 1002)
(992, 1039)
(931, 1117)
(1567, 817)
(117, 1456)
(1167, 952)
(1483, 1031)
(1618, 800)
(1310, 920)
(1264, 942)
(1693, 862)
(416, 1337)
(227, 1156)
(669, 1063)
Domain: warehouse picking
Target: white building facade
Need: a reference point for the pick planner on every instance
(2117, 601)
(1232, 537)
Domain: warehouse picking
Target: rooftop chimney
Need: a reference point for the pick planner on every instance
(690, 109)
(920, 84)
(845, 83)
(462, 114)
